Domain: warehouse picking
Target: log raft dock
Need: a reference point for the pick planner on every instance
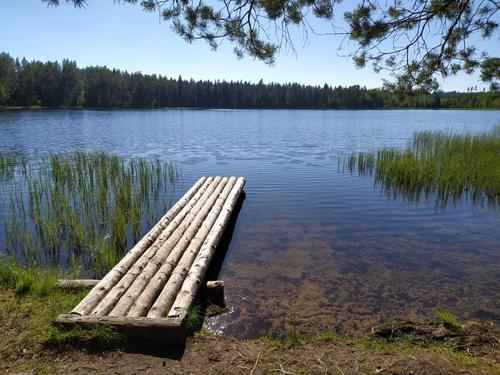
(150, 291)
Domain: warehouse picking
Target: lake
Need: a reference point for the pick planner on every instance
(313, 246)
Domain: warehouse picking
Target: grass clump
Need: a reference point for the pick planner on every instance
(379, 344)
(271, 341)
(194, 319)
(447, 319)
(327, 336)
(9, 162)
(24, 280)
(446, 165)
(462, 356)
(201, 333)
(292, 338)
(95, 338)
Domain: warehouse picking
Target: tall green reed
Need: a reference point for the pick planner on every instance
(446, 166)
(9, 162)
(81, 208)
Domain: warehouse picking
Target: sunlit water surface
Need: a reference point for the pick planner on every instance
(313, 246)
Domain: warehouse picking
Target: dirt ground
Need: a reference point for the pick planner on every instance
(411, 349)
(426, 347)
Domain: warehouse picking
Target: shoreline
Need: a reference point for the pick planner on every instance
(31, 342)
(37, 108)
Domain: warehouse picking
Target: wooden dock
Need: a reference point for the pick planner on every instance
(149, 292)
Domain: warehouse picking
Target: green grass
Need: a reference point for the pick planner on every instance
(201, 333)
(380, 345)
(271, 341)
(373, 345)
(31, 317)
(447, 319)
(31, 311)
(80, 208)
(96, 338)
(7, 165)
(326, 336)
(12, 107)
(461, 356)
(194, 319)
(292, 338)
(444, 165)
(24, 280)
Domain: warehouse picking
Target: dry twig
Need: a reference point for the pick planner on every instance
(256, 363)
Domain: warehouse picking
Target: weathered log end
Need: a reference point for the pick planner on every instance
(165, 330)
(214, 292)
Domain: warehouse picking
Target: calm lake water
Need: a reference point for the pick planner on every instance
(313, 246)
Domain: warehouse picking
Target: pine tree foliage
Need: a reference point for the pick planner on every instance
(417, 41)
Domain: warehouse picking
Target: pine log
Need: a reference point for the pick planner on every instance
(212, 287)
(176, 276)
(106, 283)
(198, 270)
(166, 260)
(214, 291)
(178, 225)
(166, 330)
(76, 283)
(176, 271)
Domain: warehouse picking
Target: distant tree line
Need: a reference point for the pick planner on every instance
(54, 84)
(441, 99)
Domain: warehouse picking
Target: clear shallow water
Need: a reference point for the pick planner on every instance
(313, 246)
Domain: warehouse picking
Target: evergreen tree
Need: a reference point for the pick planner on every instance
(65, 85)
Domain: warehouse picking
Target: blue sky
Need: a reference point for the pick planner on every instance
(124, 37)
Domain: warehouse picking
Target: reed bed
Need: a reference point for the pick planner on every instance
(8, 162)
(80, 210)
(442, 165)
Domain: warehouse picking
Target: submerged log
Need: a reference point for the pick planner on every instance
(95, 295)
(198, 270)
(175, 270)
(175, 230)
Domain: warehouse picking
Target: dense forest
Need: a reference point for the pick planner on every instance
(54, 84)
